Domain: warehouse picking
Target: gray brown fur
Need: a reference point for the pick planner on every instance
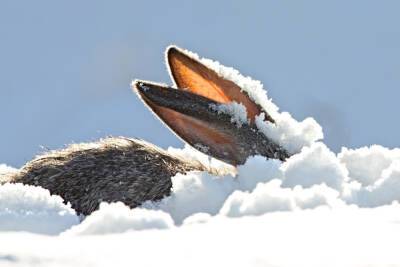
(113, 169)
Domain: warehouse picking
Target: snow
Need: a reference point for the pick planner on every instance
(313, 178)
(319, 237)
(33, 209)
(237, 111)
(317, 208)
(118, 218)
(314, 165)
(271, 197)
(289, 133)
(366, 164)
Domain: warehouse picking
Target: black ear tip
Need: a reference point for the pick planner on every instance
(143, 87)
(137, 85)
(174, 50)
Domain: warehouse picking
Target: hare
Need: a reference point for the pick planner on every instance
(134, 171)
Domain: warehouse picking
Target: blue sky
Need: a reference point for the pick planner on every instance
(66, 66)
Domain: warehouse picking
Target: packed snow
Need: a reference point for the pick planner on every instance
(317, 208)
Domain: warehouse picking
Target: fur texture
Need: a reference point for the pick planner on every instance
(113, 169)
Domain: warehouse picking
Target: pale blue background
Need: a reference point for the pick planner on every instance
(65, 66)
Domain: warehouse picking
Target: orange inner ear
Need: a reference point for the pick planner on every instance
(196, 132)
(193, 76)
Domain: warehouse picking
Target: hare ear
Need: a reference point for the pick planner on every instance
(189, 116)
(191, 75)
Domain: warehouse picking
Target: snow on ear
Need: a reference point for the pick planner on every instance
(189, 74)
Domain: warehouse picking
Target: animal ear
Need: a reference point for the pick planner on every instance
(190, 74)
(190, 118)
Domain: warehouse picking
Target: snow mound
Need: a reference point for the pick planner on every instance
(366, 164)
(271, 197)
(319, 237)
(33, 209)
(118, 218)
(193, 193)
(313, 178)
(314, 165)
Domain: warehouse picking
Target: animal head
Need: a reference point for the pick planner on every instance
(191, 111)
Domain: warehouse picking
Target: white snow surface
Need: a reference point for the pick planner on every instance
(237, 111)
(118, 218)
(317, 208)
(33, 209)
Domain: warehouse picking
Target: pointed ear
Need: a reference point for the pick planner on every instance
(190, 118)
(189, 74)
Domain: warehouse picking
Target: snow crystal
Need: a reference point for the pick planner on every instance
(237, 111)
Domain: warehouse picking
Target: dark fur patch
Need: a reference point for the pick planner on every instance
(113, 169)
